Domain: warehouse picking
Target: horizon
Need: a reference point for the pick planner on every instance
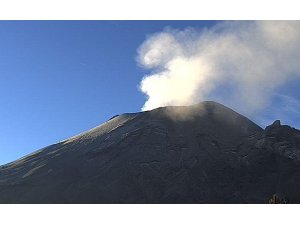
(62, 78)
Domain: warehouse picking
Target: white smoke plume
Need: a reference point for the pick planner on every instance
(238, 63)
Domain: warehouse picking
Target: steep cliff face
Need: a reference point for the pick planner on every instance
(205, 153)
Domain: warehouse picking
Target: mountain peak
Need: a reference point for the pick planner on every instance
(203, 153)
(209, 113)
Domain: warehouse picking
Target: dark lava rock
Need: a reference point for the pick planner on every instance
(205, 153)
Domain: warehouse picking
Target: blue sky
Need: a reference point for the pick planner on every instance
(60, 78)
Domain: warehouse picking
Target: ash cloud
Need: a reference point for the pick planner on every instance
(236, 63)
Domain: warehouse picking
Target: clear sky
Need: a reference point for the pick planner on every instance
(60, 78)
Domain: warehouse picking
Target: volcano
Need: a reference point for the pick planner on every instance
(204, 153)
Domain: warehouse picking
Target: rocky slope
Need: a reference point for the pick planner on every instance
(205, 153)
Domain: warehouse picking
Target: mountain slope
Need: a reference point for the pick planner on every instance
(205, 153)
